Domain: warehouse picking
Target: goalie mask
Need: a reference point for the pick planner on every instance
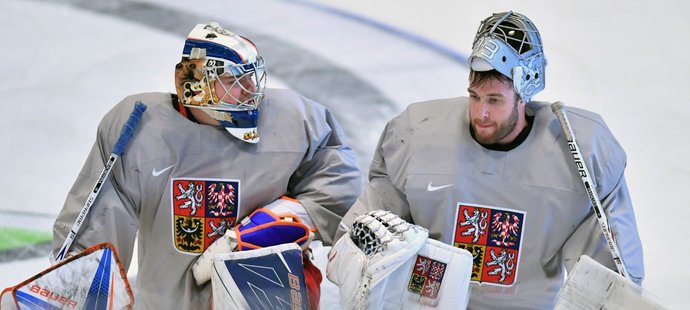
(223, 74)
(510, 44)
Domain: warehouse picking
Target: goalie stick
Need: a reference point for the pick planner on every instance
(560, 110)
(118, 148)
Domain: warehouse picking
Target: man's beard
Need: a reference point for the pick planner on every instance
(503, 129)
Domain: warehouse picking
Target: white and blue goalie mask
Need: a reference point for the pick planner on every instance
(510, 44)
(223, 74)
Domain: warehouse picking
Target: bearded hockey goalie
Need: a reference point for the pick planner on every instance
(386, 263)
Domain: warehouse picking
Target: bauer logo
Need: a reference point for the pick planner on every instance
(202, 211)
(427, 276)
(494, 237)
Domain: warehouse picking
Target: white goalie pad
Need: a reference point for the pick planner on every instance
(590, 285)
(92, 279)
(392, 264)
(266, 278)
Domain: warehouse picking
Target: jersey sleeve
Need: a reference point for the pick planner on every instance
(607, 165)
(380, 192)
(589, 240)
(113, 216)
(328, 180)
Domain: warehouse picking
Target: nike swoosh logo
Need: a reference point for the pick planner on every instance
(432, 188)
(157, 173)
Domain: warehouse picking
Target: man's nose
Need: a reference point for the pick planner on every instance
(485, 110)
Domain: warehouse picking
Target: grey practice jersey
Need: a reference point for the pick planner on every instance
(181, 184)
(522, 213)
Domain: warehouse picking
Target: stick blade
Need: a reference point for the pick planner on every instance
(590, 285)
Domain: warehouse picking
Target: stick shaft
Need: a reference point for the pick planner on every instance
(118, 148)
(584, 173)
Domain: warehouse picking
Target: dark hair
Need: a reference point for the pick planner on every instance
(479, 78)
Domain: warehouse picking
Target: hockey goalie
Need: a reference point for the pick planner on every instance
(386, 263)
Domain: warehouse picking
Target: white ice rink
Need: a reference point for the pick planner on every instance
(66, 62)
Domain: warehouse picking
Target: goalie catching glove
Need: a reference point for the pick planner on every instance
(386, 263)
(262, 228)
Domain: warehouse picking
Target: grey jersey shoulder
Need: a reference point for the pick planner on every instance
(300, 113)
(591, 131)
(602, 151)
(422, 132)
(161, 133)
(121, 111)
(432, 115)
(289, 104)
(112, 122)
(581, 117)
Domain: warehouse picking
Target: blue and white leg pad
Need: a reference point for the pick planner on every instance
(266, 278)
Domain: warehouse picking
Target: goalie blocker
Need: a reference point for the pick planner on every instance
(266, 278)
(262, 228)
(591, 286)
(387, 263)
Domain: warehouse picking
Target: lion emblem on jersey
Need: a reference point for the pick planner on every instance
(203, 209)
(493, 236)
